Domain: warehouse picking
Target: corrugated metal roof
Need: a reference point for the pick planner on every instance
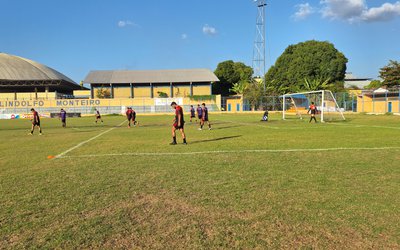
(350, 77)
(15, 68)
(151, 76)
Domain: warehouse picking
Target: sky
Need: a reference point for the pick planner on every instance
(76, 36)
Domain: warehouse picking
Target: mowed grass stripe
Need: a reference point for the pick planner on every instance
(295, 150)
(88, 140)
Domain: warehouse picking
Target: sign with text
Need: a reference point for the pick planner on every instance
(9, 116)
(167, 101)
(52, 103)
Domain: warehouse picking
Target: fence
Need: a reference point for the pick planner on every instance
(346, 101)
(105, 106)
(366, 101)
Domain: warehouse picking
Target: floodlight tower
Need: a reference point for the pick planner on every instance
(259, 42)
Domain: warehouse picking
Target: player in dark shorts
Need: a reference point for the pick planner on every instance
(199, 112)
(134, 118)
(192, 113)
(129, 116)
(35, 122)
(63, 118)
(179, 123)
(313, 111)
(98, 116)
(204, 117)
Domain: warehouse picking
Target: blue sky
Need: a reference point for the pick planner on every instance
(76, 36)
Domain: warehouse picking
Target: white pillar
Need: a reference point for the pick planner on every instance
(284, 106)
(322, 106)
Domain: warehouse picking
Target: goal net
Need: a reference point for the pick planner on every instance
(297, 105)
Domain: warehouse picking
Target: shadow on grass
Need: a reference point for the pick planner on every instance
(226, 127)
(216, 139)
(348, 120)
(154, 125)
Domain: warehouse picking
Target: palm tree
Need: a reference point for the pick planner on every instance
(316, 84)
(240, 87)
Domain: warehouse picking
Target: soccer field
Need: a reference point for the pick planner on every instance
(244, 184)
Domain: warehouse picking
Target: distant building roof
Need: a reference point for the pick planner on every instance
(18, 68)
(359, 82)
(17, 72)
(151, 76)
(350, 77)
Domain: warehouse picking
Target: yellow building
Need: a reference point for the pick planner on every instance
(379, 101)
(234, 103)
(150, 83)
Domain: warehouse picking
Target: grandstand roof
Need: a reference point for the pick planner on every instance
(17, 72)
(150, 76)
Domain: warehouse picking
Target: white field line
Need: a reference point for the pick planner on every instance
(77, 129)
(363, 126)
(268, 126)
(232, 152)
(247, 123)
(61, 155)
(337, 124)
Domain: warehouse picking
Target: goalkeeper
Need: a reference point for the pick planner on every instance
(265, 116)
(313, 111)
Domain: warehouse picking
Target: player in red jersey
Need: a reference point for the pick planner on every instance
(179, 123)
(129, 116)
(35, 122)
(313, 111)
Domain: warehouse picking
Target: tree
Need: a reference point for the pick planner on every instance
(354, 87)
(375, 84)
(162, 94)
(391, 74)
(229, 73)
(103, 93)
(253, 92)
(311, 60)
(239, 87)
(315, 84)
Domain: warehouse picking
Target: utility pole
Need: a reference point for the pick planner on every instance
(259, 41)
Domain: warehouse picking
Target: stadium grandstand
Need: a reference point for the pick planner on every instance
(152, 83)
(21, 78)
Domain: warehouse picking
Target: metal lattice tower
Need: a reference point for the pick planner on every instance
(259, 42)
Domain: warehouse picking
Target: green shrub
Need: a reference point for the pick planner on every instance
(162, 94)
(202, 97)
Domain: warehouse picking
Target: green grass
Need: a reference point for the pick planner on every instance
(321, 199)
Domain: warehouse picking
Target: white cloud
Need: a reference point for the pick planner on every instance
(184, 36)
(209, 30)
(343, 9)
(357, 10)
(386, 12)
(123, 24)
(304, 10)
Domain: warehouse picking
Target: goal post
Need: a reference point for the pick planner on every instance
(296, 105)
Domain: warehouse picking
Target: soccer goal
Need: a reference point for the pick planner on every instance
(296, 105)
